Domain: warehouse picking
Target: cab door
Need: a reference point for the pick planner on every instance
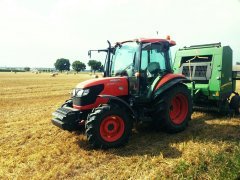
(154, 63)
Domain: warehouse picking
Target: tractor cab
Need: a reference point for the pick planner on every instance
(143, 62)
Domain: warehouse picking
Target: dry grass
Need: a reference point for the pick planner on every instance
(32, 148)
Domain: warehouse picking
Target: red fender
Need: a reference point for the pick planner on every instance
(167, 78)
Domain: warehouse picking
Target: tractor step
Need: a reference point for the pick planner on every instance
(66, 118)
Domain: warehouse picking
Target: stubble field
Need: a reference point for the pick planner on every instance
(32, 148)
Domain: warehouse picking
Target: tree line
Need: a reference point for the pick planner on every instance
(63, 64)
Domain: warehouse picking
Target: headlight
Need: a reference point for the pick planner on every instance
(80, 92)
(85, 92)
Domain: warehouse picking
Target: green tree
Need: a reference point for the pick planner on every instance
(62, 64)
(237, 63)
(95, 65)
(101, 69)
(27, 69)
(78, 66)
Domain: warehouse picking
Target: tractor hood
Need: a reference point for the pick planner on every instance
(112, 85)
(86, 93)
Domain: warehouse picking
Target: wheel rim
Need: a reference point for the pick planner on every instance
(178, 108)
(112, 128)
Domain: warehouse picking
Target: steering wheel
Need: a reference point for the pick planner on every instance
(125, 72)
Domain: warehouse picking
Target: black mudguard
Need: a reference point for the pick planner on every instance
(169, 85)
(119, 101)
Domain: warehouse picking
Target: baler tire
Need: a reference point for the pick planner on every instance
(108, 126)
(177, 111)
(235, 104)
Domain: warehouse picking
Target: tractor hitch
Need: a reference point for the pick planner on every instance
(67, 118)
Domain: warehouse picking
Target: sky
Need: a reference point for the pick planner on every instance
(35, 33)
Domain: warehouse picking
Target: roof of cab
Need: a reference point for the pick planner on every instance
(149, 40)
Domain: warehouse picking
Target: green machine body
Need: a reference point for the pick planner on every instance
(209, 67)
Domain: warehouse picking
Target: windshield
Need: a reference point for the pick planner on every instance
(123, 59)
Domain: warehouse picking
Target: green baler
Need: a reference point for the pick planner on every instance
(209, 67)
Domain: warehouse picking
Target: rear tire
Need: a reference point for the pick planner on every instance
(108, 126)
(177, 109)
(235, 104)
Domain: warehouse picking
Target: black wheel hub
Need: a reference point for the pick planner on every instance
(110, 127)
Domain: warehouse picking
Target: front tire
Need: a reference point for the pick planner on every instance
(108, 126)
(177, 109)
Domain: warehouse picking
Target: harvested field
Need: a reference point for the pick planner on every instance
(32, 148)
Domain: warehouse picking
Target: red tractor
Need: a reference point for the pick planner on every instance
(138, 87)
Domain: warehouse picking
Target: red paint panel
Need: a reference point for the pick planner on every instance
(167, 78)
(172, 43)
(115, 86)
(150, 40)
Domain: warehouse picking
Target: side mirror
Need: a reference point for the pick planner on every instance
(113, 51)
(89, 53)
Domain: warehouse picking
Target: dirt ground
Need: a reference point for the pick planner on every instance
(32, 148)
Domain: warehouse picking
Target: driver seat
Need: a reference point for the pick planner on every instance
(150, 81)
(153, 77)
(153, 68)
